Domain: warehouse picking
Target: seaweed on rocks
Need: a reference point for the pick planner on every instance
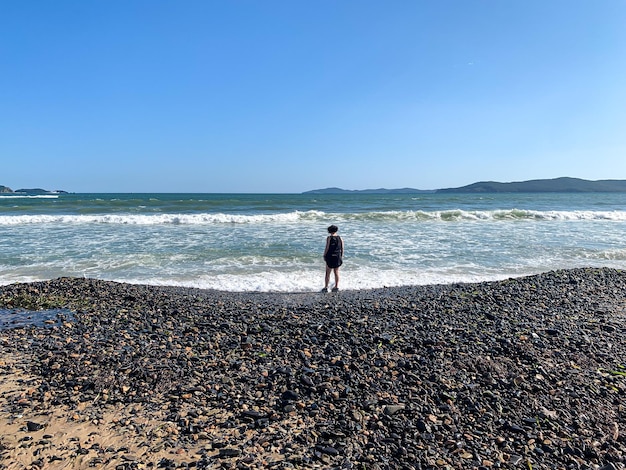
(522, 372)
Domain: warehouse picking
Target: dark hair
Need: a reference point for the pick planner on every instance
(333, 229)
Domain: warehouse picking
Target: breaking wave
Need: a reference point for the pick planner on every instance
(312, 216)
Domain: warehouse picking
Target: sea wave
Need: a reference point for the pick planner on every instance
(312, 216)
(271, 279)
(149, 219)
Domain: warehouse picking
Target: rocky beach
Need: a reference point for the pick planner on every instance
(521, 373)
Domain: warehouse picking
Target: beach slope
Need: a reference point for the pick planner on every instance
(521, 373)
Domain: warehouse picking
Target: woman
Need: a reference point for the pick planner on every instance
(333, 255)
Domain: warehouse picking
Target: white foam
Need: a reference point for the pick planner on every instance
(313, 280)
(158, 219)
(311, 216)
(12, 278)
(304, 279)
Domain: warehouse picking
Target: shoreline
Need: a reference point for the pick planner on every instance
(522, 372)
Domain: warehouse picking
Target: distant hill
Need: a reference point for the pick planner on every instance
(5, 189)
(556, 185)
(368, 191)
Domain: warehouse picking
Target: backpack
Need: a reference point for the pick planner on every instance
(334, 248)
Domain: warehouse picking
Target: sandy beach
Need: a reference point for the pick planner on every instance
(521, 373)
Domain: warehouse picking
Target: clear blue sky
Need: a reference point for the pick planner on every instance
(288, 96)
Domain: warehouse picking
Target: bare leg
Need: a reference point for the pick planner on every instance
(327, 278)
(336, 271)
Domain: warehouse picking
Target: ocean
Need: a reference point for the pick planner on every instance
(274, 242)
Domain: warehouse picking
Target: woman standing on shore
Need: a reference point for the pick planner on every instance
(333, 255)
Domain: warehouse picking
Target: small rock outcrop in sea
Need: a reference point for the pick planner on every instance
(522, 373)
(31, 191)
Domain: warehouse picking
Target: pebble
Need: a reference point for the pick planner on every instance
(490, 375)
(393, 409)
(32, 426)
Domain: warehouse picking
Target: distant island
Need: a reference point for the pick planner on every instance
(33, 191)
(555, 185)
(369, 191)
